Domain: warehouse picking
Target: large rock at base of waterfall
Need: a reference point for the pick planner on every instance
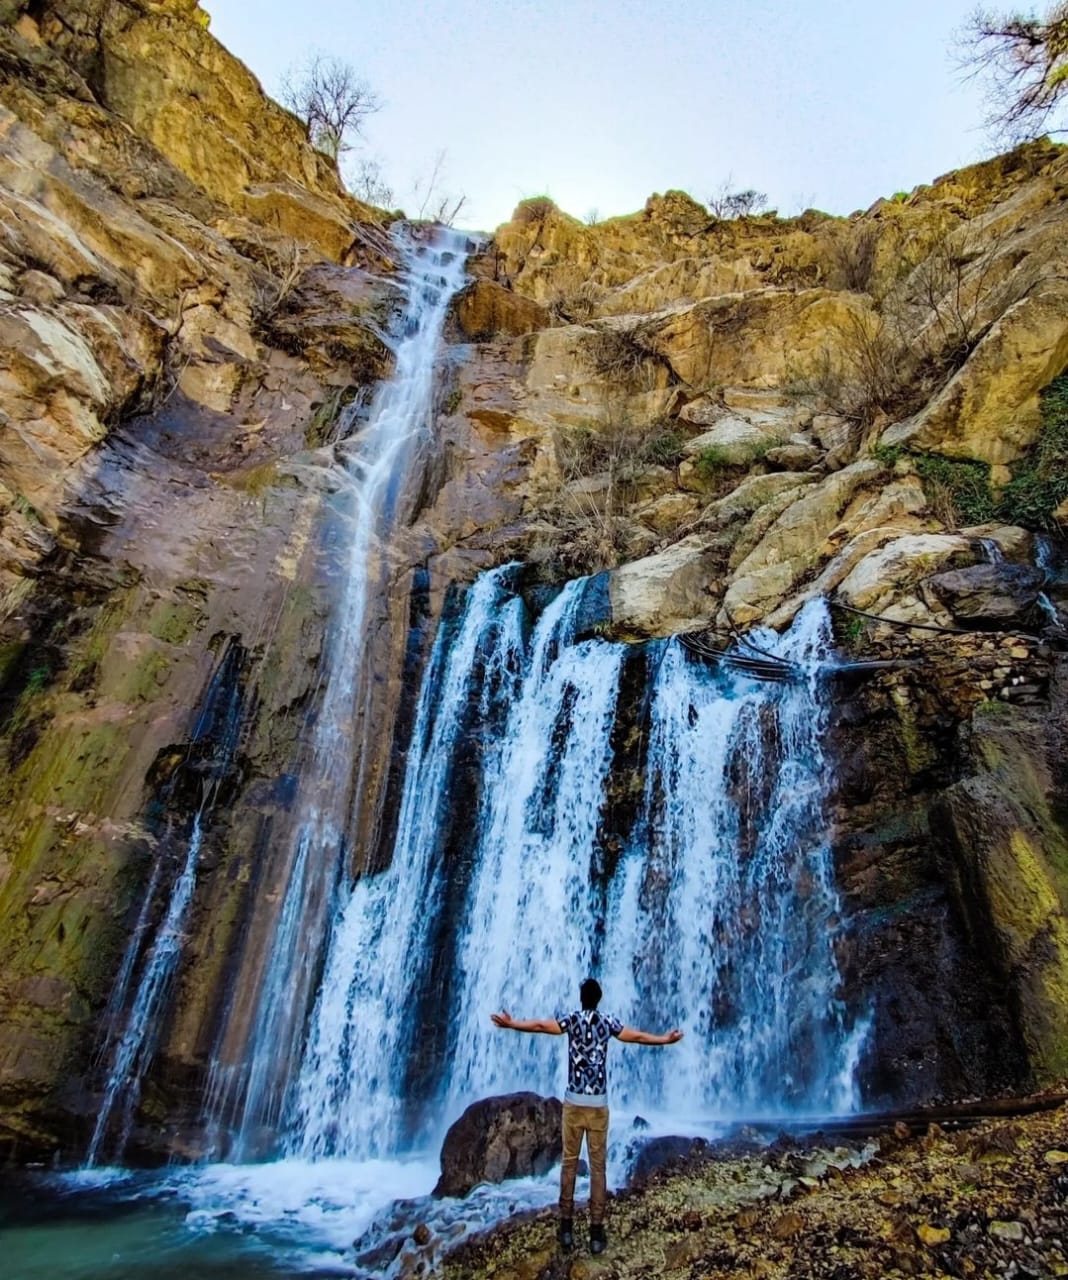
(997, 595)
(517, 1135)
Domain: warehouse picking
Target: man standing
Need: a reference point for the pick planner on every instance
(586, 1100)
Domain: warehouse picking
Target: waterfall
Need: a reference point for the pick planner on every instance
(350, 1090)
(137, 1043)
(724, 912)
(528, 933)
(720, 915)
(377, 462)
(1048, 561)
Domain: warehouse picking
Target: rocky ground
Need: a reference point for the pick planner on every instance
(987, 1200)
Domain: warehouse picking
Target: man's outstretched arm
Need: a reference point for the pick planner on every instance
(631, 1035)
(547, 1026)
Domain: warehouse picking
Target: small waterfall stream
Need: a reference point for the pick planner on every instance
(377, 462)
(133, 1026)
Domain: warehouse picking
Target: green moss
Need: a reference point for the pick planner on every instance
(964, 482)
(26, 508)
(712, 459)
(174, 623)
(320, 425)
(887, 454)
(452, 401)
(1039, 481)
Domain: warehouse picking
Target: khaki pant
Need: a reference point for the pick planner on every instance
(593, 1122)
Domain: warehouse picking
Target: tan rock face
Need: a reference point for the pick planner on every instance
(990, 409)
(665, 593)
(486, 310)
(795, 543)
(160, 69)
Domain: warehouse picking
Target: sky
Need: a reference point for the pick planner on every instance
(599, 103)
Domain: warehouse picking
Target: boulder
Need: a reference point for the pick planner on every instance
(891, 570)
(514, 1136)
(667, 513)
(797, 542)
(674, 590)
(831, 431)
(486, 310)
(736, 442)
(793, 457)
(994, 595)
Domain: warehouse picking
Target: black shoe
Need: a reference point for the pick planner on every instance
(565, 1233)
(598, 1239)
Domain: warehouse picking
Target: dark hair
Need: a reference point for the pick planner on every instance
(590, 993)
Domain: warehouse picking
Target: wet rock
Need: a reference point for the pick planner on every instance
(657, 1154)
(513, 1136)
(993, 595)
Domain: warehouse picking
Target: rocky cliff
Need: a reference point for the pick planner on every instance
(717, 419)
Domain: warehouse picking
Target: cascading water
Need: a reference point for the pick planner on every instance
(133, 1027)
(1050, 563)
(724, 912)
(377, 462)
(721, 914)
(350, 1091)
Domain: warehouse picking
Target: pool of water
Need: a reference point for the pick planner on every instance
(300, 1218)
(287, 1218)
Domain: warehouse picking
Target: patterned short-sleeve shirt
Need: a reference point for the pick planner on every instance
(588, 1032)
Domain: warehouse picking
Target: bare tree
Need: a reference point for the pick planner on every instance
(436, 204)
(1024, 60)
(726, 202)
(367, 181)
(331, 99)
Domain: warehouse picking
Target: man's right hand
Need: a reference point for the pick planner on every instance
(502, 1020)
(673, 1037)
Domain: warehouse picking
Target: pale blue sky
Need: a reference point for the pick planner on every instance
(829, 103)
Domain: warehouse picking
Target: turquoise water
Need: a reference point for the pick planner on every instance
(213, 1222)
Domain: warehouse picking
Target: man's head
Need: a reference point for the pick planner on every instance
(590, 993)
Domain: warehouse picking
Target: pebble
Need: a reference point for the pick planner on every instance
(1056, 1157)
(931, 1235)
(789, 1225)
(1006, 1230)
